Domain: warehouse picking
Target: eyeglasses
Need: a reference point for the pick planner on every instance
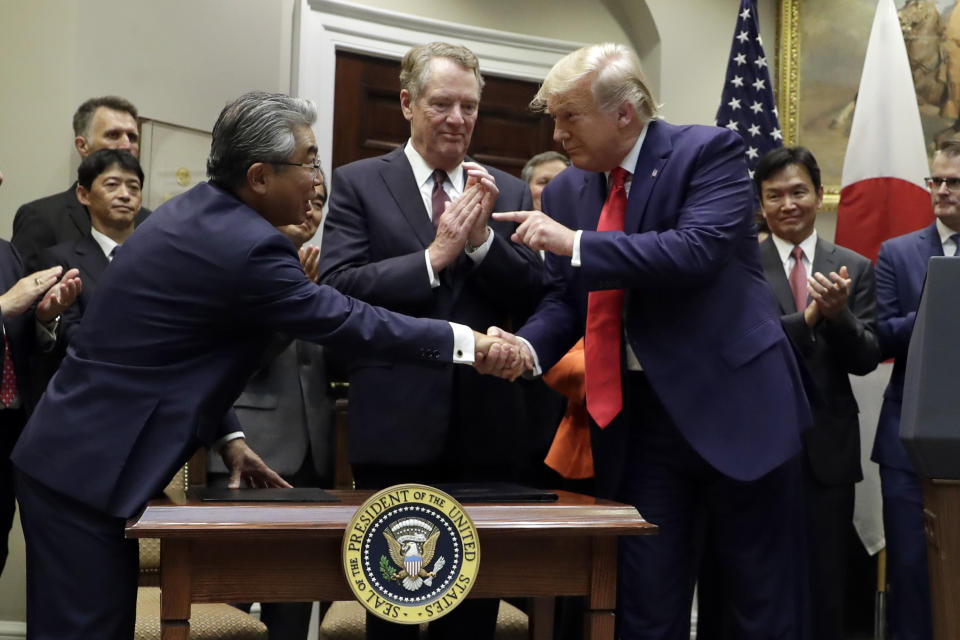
(313, 166)
(934, 183)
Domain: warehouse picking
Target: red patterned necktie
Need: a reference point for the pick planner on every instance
(439, 196)
(798, 279)
(605, 322)
(8, 388)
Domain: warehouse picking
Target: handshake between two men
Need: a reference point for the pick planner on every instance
(500, 353)
(463, 226)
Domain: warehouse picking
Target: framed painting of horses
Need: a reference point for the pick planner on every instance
(821, 46)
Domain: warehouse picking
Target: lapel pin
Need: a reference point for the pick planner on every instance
(654, 174)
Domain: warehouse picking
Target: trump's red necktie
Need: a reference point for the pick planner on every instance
(605, 322)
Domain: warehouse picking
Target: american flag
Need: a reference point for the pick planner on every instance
(746, 104)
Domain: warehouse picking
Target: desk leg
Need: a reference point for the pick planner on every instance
(541, 618)
(602, 601)
(175, 590)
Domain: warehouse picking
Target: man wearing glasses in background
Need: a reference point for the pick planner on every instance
(901, 270)
(179, 322)
(287, 417)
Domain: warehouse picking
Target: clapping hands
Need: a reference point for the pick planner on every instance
(478, 175)
(828, 295)
(464, 221)
(58, 293)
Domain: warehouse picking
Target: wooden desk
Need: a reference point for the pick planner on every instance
(242, 552)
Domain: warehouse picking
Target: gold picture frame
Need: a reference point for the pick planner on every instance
(788, 86)
(821, 45)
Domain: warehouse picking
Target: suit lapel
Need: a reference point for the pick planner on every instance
(654, 152)
(825, 258)
(90, 259)
(776, 278)
(399, 179)
(932, 245)
(593, 193)
(76, 211)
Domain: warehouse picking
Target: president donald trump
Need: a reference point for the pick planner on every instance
(694, 393)
(179, 322)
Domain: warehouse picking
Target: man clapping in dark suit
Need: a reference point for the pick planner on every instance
(827, 300)
(108, 122)
(388, 241)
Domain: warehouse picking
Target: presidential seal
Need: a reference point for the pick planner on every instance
(411, 554)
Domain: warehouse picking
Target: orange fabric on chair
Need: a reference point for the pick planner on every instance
(570, 454)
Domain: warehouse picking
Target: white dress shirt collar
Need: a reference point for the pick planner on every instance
(629, 161)
(784, 248)
(106, 243)
(423, 173)
(945, 241)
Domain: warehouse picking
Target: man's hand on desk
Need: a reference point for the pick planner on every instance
(539, 232)
(246, 465)
(503, 355)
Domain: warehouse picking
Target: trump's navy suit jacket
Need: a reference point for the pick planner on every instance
(901, 271)
(374, 240)
(699, 314)
(169, 341)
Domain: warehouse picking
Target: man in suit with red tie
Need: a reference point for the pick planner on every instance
(692, 386)
(827, 299)
(827, 304)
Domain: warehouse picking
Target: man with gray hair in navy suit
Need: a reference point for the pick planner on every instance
(177, 327)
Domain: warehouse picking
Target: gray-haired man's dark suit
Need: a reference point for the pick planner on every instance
(428, 424)
(287, 418)
(405, 415)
